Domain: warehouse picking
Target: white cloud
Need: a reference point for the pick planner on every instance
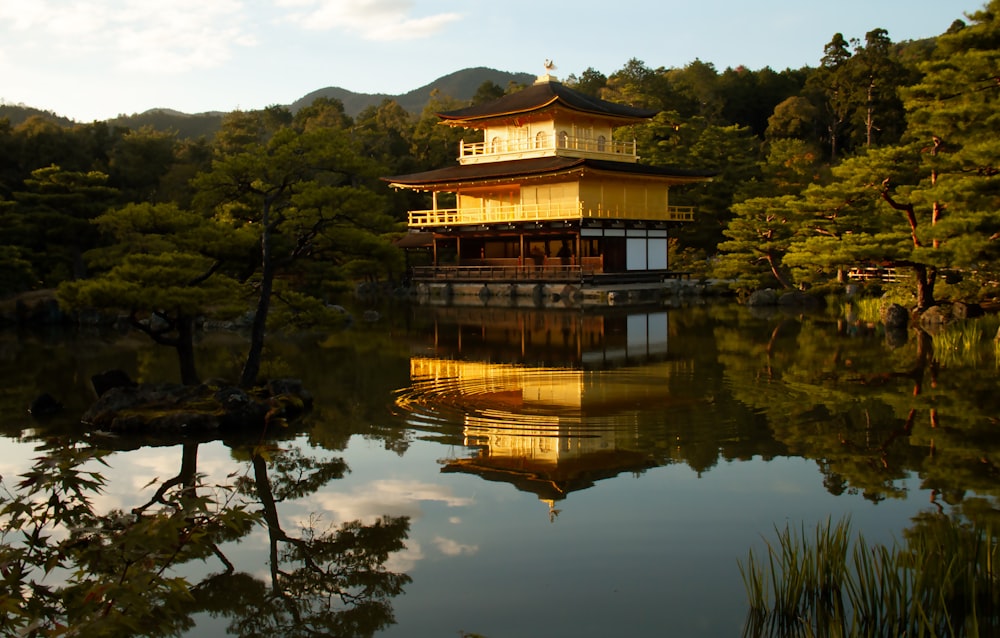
(449, 547)
(23, 15)
(379, 20)
(167, 36)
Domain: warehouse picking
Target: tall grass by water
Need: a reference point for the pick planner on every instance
(968, 341)
(961, 342)
(941, 581)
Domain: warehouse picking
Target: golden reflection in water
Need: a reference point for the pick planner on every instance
(549, 413)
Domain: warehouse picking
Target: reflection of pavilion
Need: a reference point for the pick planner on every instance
(552, 400)
(563, 338)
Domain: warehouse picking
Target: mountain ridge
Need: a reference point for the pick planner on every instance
(461, 85)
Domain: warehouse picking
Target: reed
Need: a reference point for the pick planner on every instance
(864, 309)
(869, 309)
(940, 582)
(967, 342)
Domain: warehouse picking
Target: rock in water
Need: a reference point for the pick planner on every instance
(44, 405)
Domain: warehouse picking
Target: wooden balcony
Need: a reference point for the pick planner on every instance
(508, 149)
(522, 213)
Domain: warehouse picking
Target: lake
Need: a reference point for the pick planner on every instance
(521, 472)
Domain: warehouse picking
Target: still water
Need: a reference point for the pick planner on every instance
(559, 473)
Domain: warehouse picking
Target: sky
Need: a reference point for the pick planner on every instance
(95, 59)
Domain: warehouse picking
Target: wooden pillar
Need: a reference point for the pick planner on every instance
(666, 258)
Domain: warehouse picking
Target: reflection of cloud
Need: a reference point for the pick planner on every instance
(139, 469)
(449, 547)
(15, 458)
(383, 20)
(133, 477)
(455, 520)
(406, 559)
(166, 36)
(388, 497)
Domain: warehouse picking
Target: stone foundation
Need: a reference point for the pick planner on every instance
(563, 294)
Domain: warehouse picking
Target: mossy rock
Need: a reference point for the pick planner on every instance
(202, 410)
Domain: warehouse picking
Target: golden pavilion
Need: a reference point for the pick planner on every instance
(550, 194)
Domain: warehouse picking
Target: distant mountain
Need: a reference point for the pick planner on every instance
(18, 113)
(184, 124)
(461, 85)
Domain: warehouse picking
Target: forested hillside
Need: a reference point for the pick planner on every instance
(883, 156)
(461, 85)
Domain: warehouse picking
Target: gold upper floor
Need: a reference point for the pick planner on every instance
(531, 142)
(570, 197)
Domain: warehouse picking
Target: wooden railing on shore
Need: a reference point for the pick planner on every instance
(551, 272)
(888, 275)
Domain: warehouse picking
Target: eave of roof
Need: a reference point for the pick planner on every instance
(539, 96)
(536, 167)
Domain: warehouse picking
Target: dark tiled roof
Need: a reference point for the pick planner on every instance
(540, 95)
(534, 167)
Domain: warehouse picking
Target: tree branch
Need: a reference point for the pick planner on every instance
(911, 216)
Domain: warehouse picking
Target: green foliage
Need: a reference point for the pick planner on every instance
(433, 145)
(302, 194)
(794, 118)
(759, 235)
(16, 271)
(385, 133)
(139, 160)
(591, 82)
(163, 268)
(696, 144)
(764, 227)
(49, 221)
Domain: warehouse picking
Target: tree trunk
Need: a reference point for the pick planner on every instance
(251, 367)
(185, 350)
(926, 277)
(189, 465)
(270, 509)
(772, 261)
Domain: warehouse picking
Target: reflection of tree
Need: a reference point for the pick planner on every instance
(323, 581)
(104, 574)
(870, 414)
(842, 398)
(64, 564)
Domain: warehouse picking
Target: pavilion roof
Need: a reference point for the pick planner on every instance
(537, 167)
(538, 96)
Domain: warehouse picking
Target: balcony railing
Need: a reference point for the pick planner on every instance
(519, 213)
(529, 147)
